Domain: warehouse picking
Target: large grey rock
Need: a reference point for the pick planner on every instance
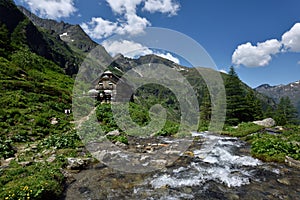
(268, 122)
(113, 133)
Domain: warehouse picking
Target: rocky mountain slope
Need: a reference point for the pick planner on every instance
(62, 43)
(292, 90)
(73, 35)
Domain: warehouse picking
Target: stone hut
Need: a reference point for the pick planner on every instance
(106, 88)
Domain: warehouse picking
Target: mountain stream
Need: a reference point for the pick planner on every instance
(219, 167)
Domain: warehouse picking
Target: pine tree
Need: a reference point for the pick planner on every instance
(254, 106)
(4, 40)
(237, 108)
(285, 113)
(205, 108)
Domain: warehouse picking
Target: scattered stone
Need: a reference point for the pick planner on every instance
(173, 152)
(113, 133)
(25, 163)
(120, 144)
(292, 162)
(233, 197)
(187, 190)
(280, 128)
(189, 153)
(51, 159)
(6, 162)
(78, 163)
(69, 176)
(54, 121)
(269, 122)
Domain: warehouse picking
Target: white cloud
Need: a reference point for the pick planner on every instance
(134, 25)
(98, 28)
(163, 6)
(124, 6)
(128, 21)
(128, 48)
(256, 56)
(53, 9)
(261, 54)
(291, 39)
(169, 57)
(298, 62)
(132, 49)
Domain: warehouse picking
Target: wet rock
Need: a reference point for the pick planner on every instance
(284, 181)
(269, 122)
(187, 190)
(233, 197)
(84, 190)
(189, 153)
(292, 162)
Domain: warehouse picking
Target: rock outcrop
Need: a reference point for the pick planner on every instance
(268, 122)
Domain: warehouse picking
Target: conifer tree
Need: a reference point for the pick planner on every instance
(285, 113)
(4, 40)
(254, 106)
(237, 108)
(205, 108)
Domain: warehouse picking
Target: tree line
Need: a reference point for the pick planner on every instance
(244, 105)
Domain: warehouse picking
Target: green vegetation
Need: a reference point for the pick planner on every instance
(276, 147)
(266, 146)
(34, 92)
(242, 129)
(285, 113)
(138, 114)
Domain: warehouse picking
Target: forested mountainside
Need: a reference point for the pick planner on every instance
(291, 90)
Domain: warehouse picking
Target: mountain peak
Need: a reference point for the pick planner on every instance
(266, 86)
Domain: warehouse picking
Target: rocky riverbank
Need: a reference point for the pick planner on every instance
(214, 167)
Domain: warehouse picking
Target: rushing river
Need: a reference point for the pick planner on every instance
(220, 168)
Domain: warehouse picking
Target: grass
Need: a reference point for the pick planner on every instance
(242, 129)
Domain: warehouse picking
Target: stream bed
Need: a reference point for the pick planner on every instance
(217, 167)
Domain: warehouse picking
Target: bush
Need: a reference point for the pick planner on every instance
(65, 141)
(273, 148)
(6, 148)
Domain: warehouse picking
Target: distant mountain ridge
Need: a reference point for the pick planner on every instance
(292, 90)
(71, 34)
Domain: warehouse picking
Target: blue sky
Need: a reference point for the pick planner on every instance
(261, 38)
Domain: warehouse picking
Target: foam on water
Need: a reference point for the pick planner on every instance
(218, 164)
